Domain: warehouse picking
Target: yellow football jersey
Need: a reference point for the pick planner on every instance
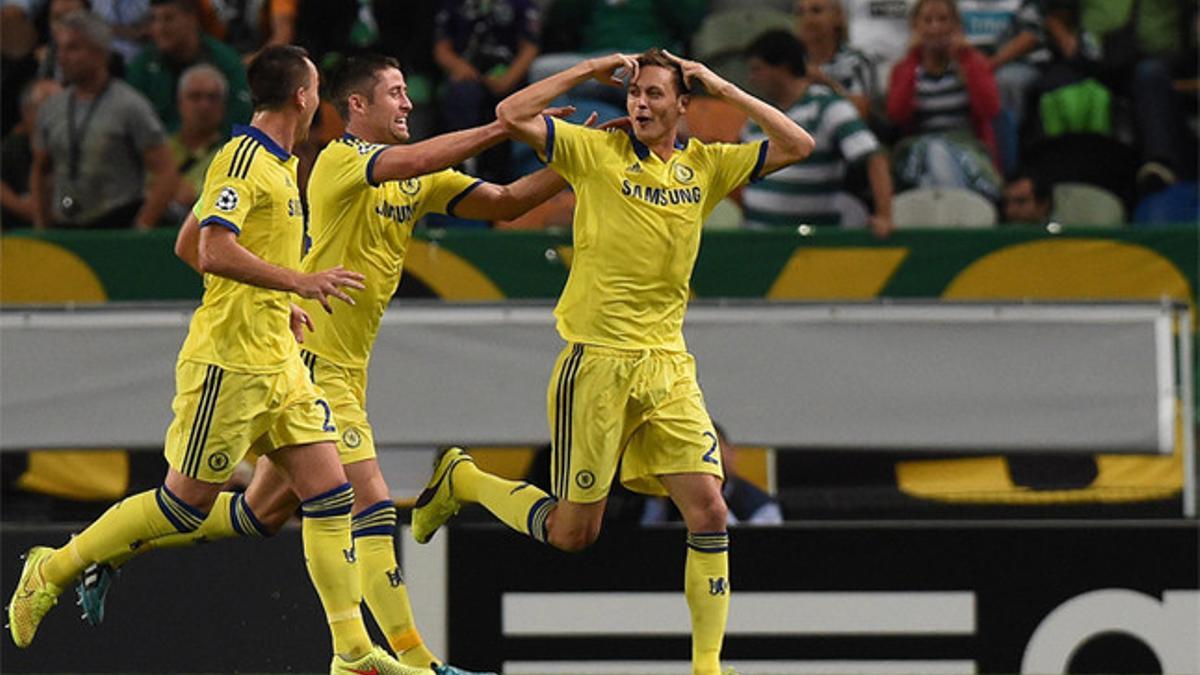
(637, 230)
(250, 188)
(365, 226)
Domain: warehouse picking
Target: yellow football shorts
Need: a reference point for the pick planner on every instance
(346, 391)
(641, 409)
(220, 414)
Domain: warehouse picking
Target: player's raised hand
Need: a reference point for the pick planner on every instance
(320, 286)
(694, 71)
(299, 320)
(605, 68)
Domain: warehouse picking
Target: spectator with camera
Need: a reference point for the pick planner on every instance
(96, 141)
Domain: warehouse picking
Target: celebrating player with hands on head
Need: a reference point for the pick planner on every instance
(624, 390)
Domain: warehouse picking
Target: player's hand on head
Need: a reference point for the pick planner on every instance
(320, 286)
(694, 71)
(605, 69)
(299, 320)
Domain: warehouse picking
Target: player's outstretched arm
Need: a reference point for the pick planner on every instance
(521, 112)
(789, 143)
(505, 202)
(222, 255)
(401, 162)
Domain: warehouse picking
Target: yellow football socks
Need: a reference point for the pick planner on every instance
(123, 528)
(706, 585)
(521, 506)
(230, 517)
(382, 581)
(329, 555)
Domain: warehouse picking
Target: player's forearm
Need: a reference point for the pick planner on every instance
(224, 257)
(528, 103)
(789, 143)
(401, 162)
(513, 200)
(531, 190)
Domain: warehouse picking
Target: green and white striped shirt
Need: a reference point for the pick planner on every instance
(804, 193)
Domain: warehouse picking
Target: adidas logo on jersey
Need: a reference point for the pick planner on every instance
(636, 167)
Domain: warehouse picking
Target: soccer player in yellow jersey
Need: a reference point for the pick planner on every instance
(240, 381)
(624, 390)
(365, 193)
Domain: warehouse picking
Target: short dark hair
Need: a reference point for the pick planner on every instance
(275, 75)
(358, 75)
(655, 57)
(779, 48)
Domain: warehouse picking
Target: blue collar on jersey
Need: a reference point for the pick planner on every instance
(643, 151)
(261, 136)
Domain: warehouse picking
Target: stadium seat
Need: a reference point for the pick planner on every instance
(1088, 205)
(727, 215)
(711, 120)
(855, 214)
(724, 36)
(942, 208)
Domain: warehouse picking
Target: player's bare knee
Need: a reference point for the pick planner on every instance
(708, 515)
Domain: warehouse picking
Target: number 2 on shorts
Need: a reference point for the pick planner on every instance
(708, 456)
(328, 425)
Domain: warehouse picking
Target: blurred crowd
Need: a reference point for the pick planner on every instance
(1036, 110)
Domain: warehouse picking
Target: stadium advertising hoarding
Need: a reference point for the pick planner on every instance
(1001, 264)
(903, 597)
(1003, 597)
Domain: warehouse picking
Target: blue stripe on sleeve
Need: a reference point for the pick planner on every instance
(762, 159)
(461, 196)
(218, 220)
(371, 167)
(549, 138)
